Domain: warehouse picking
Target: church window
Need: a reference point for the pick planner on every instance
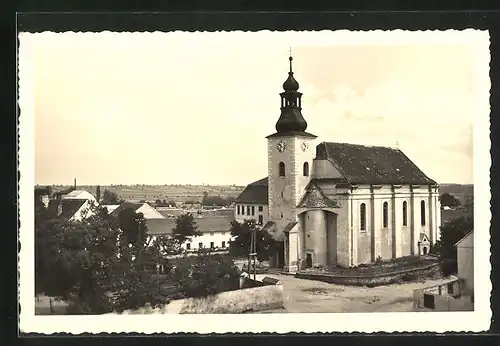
(242, 210)
(253, 210)
(261, 208)
(238, 209)
(306, 169)
(385, 216)
(248, 210)
(282, 169)
(261, 219)
(422, 213)
(405, 214)
(362, 216)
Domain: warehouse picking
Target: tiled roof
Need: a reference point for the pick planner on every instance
(268, 225)
(160, 226)
(205, 225)
(289, 227)
(255, 192)
(371, 164)
(70, 207)
(315, 198)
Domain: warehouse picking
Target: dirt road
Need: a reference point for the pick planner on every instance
(314, 296)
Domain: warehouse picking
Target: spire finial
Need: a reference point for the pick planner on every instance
(290, 58)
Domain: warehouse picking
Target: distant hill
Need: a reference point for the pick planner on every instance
(464, 192)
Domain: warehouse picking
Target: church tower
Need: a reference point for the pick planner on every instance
(290, 155)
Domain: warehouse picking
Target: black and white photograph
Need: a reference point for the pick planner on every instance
(206, 181)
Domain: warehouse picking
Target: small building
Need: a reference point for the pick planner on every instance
(465, 262)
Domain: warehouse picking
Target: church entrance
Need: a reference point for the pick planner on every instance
(309, 261)
(279, 257)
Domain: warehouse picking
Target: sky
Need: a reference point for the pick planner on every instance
(195, 108)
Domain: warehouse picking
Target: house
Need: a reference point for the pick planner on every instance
(465, 262)
(252, 203)
(215, 232)
(332, 203)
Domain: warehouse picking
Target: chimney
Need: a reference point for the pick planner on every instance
(74, 184)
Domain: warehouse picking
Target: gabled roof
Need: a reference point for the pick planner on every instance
(79, 194)
(256, 192)
(361, 164)
(127, 205)
(70, 206)
(464, 237)
(423, 237)
(315, 198)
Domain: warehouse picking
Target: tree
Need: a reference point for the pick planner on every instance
(448, 200)
(83, 262)
(110, 197)
(451, 233)
(206, 274)
(98, 193)
(239, 246)
(185, 228)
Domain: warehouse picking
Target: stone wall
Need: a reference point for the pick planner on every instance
(372, 280)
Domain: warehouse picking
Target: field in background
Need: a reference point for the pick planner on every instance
(150, 193)
(464, 192)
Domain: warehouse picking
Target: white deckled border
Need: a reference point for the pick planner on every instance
(476, 321)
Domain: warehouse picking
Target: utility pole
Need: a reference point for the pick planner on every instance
(253, 252)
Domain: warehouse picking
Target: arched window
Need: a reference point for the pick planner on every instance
(306, 169)
(405, 214)
(362, 216)
(282, 169)
(385, 215)
(422, 213)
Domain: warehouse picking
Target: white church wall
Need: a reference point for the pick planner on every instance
(382, 235)
(303, 154)
(315, 236)
(324, 169)
(362, 237)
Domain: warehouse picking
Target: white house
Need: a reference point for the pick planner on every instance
(465, 261)
(80, 194)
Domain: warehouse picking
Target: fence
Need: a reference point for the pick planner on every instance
(447, 296)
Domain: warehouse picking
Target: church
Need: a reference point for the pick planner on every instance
(338, 204)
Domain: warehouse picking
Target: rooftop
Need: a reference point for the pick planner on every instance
(371, 164)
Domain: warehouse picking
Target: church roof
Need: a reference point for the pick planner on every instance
(361, 164)
(256, 192)
(315, 198)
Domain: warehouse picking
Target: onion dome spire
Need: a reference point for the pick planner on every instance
(291, 119)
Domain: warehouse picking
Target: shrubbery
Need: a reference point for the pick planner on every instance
(206, 274)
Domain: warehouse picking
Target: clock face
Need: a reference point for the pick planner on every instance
(304, 146)
(281, 146)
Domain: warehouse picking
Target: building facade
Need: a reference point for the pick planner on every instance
(337, 203)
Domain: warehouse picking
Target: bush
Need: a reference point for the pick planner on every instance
(448, 266)
(206, 274)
